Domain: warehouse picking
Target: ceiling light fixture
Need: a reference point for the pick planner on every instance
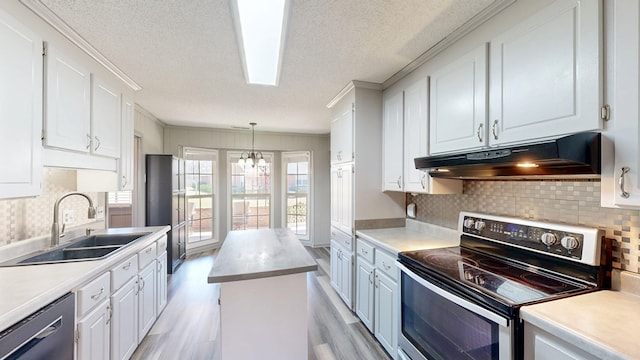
(261, 28)
(250, 157)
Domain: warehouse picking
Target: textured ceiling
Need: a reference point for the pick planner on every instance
(184, 54)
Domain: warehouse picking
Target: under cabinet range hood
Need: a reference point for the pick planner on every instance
(576, 155)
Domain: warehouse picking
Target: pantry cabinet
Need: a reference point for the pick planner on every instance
(342, 137)
(620, 185)
(342, 197)
(20, 109)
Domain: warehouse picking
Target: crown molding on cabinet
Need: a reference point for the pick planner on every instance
(67, 31)
(456, 35)
(350, 86)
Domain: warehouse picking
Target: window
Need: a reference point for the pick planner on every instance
(297, 190)
(200, 181)
(119, 198)
(251, 191)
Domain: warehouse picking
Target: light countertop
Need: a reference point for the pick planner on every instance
(603, 323)
(415, 236)
(254, 254)
(25, 289)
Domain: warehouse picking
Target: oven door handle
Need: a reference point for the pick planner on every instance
(455, 299)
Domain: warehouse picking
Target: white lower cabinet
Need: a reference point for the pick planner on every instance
(376, 291)
(124, 325)
(161, 281)
(541, 345)
(94, 341)
(146, 300)
(342, 272)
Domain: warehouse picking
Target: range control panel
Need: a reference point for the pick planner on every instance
(543, 239)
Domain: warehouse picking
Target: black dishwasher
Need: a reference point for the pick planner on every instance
(45, 334)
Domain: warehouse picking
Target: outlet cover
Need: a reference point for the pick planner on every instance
(68, 217)
(100, 212)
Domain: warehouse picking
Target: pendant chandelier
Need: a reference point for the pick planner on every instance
(252, 157)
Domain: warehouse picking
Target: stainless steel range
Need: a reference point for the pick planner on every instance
(463, 302)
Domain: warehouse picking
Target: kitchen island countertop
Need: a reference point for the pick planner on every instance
(255, 254)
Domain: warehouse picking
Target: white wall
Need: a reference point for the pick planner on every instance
(223, 140)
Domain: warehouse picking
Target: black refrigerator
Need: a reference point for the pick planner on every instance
(165, 203)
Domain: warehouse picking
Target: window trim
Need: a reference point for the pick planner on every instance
(232, 157)
(196, 153)
(308, 239)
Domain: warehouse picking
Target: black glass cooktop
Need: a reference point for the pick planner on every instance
(513, 283)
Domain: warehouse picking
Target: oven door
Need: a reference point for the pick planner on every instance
(436, 324)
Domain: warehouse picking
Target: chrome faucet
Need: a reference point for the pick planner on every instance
(55, 234)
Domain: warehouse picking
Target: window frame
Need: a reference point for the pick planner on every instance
(195, 153)
(232, 157)
(286, 155)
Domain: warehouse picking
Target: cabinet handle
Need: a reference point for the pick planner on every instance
(364, 252)
(88, 141)
(110, 309)
(97, 146)
(126, 267)
(480, 132)
(399, 185)
(370, 280)
(124, 181)
(423, 181)
(624, 194)
(159, 267)
(141, 287)
(97, 296)
(494, 129)
(149, 250)
(377, 281)
(386, 266)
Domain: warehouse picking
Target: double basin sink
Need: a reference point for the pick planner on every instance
(94, 247)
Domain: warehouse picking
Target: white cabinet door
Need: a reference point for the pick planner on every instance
(146, 300)
(415, 135)
(105, 119)
(346, 282)
(392, 150)
(541, 345)
(124, 324)
(342, 138)
(346, 199)
(336, 189)
(20, 109)
(623, 92)
(125, 164)
(458, 101)
(68, 93)
(93, 334)
(545, 74)
(161, 283)
(336, 278)
(385, 314)
(364, 292)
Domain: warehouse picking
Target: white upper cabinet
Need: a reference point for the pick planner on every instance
(392, 133)
(68, 105)
(20, 109)
(545, 74)
(416, 135)
(620, 186)
(125, 165)
(458, 99)
(342, 138)
(105, 119)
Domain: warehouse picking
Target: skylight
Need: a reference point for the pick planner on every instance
(261, 26)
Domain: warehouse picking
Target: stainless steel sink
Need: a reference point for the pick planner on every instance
(93, 247)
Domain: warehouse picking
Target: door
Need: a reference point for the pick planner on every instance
(546, 75)
(458, 103)
(20, 98)
(385, 310)
(94, 338)
(105, 119)
(392, 150)
(124, 324)
(364, 292)
(146, 300)
(415, 135)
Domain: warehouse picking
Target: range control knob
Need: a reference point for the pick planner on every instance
(569, 242)
(468, 223)
(548, 239)
(480, 225)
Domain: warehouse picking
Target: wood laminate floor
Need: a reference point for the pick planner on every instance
(187, 328)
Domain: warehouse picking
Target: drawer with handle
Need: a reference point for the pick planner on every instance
(124, 271)
(146, 255)
(387, 264)
(342, 238)
(162, 244)
(93, 293)
(364, 250)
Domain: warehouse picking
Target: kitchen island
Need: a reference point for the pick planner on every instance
(263, 294)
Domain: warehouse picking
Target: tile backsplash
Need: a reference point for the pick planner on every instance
(567, 201)
(27, 218)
